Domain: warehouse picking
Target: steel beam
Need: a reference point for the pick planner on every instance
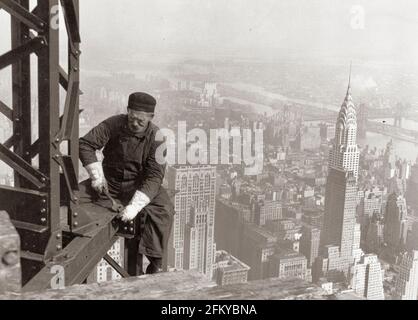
(71, 20)
(21, 191)
(22, 14)
(48, 115)
(21, 94)
(74, 68)
(10, 142)
(122, 272)
(35, 11)
(24, 205)
(64, 75)
(63, 78)
(69, 174)
(131, 256)
(35, 147)
(13, 56)
(6, 111)
(47, 240)
(79, 257)
(22, 167)
(70, 10)
(70, 110)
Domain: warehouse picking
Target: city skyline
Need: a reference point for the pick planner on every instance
(274, 218)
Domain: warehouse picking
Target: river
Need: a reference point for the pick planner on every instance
(406, 123)
(276, 96)
(403, 149)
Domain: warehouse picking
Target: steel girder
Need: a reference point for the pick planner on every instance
(42, 195)
(80, 254)
(20, 12)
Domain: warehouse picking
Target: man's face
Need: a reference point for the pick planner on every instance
(138, 120)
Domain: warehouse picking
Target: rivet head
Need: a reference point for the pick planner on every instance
(131, 229)
(43, 200)
(58, 236)
(11, 258)
(75, 224)
(43, 220)
(59, 247)
(131, 222)
(125, 228)
(75, 214)
(43, 210)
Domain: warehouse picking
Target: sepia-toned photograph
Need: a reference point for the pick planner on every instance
(208, 150)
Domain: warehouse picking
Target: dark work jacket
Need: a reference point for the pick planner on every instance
(130, 164)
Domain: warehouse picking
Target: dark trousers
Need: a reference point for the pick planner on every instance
(134, 260)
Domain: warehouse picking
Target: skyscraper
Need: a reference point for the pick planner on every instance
(396, 226)
(191, 244)
(340, 215)
(412, 241)
(389, 161)
(406, 286)
(367, 278)
(257, 247)
(341, 189)
(357, 251)
(229, 225)
(344, 154)
(309, 243)
(412, 189)
(374, 236)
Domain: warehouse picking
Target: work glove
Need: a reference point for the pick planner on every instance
(138, 202)
(98, 180)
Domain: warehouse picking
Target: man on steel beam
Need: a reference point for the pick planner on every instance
(131, 173)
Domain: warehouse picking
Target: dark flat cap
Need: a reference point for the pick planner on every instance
(142, 101)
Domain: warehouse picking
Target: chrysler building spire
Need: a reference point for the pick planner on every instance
(349, 83)
(344, 153)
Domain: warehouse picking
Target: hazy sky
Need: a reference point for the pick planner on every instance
(249, 28)
(255, 26)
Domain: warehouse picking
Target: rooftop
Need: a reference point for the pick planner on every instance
(232, 263)
(183, 285)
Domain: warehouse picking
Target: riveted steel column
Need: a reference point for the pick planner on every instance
(48, 92)
(21, 94)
